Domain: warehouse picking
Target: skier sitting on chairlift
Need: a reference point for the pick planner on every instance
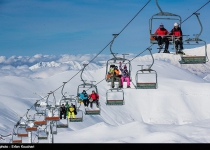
(72, 111)
(177, 33)
(161, 37)
(84, 98)
(62, 111)
(110, 72)
(93, 98)
(125, 75)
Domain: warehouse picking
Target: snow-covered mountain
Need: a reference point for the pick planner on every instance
(72, 65)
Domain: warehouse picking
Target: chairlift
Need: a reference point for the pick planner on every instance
(30, 128)
(40, 107)
(69, 100)
(30, 122)
(16, 138)
(52, 113)
(146, 78)
(88, 86)
(115, 96)
(42, 133)
(116, 60)
(39, 119)
(52, 127)
(39, 116)
(52, 118)
(193, 59)
(62, 123)
(79, 115)
(19, 131)
(162, 16)
(94, 111)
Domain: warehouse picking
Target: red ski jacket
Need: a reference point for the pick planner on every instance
(176, 32)
(94, 96)
(161, 32)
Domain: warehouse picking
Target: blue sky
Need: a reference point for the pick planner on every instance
(53, 27)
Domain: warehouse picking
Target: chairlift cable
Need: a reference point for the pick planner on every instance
(196, 11)
(5, 135)
(135, 16)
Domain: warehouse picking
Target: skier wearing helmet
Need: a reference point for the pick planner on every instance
(177, 33)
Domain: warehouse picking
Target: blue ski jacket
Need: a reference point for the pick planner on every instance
(83, 96)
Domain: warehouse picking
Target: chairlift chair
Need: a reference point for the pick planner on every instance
(140, 81)
(194, 59)
(79, 115)
(16, 138)
(115, 96)
(52, 127)
(146, 78)
(51, 115)
(69, 99)
(62, 123)
(30, 122)
(42, 133)
(87, 87)
(94, 111)
(39, 119)
(51, 111)
(162, 16)
(40, 107)
(19, 131)
(115, 61)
